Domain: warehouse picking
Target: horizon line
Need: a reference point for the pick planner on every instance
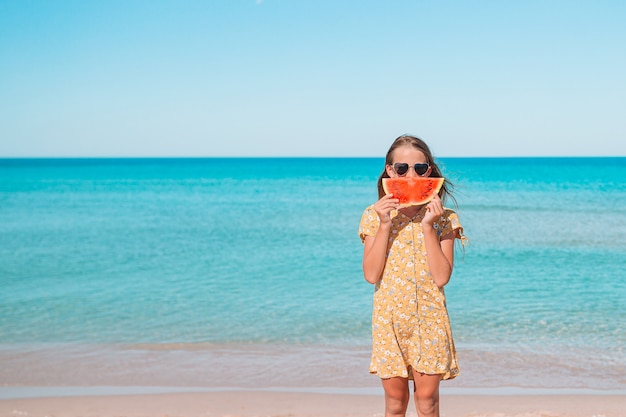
(296, 157)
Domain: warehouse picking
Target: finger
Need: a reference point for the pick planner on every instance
(385, 207)
(435, 207)
(388, 203)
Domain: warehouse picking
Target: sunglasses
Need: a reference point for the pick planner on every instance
(402, 168)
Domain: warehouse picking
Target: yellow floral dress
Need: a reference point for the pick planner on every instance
(410, 323)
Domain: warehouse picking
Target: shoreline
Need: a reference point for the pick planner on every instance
(286, 365)
(267, 403)
(41, 392)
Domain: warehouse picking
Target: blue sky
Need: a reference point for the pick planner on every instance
(311, 78)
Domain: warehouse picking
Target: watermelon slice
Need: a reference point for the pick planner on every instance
(412, 191)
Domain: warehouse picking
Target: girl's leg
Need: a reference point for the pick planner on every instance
(426, 394)
(396, 396)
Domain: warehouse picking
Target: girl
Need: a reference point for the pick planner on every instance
(409, 254)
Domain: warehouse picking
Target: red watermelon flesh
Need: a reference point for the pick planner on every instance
(412, 191)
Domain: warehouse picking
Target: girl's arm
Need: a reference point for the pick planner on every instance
(440, 255)
(440, 252)
(375, 250)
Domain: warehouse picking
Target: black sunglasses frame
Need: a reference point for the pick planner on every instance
(402, 168)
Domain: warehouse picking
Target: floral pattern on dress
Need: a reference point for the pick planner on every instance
(410, 323)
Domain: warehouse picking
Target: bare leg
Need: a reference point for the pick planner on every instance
(427, 394)
(396, 396)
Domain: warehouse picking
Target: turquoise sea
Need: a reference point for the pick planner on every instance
(230, 272)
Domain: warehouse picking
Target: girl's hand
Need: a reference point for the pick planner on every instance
(384, 206)
(434, 210)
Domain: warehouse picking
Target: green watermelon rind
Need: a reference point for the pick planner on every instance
(400, 187)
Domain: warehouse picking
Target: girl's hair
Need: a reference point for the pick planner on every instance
(413, 141)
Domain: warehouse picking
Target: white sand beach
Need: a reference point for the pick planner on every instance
(282, 404)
